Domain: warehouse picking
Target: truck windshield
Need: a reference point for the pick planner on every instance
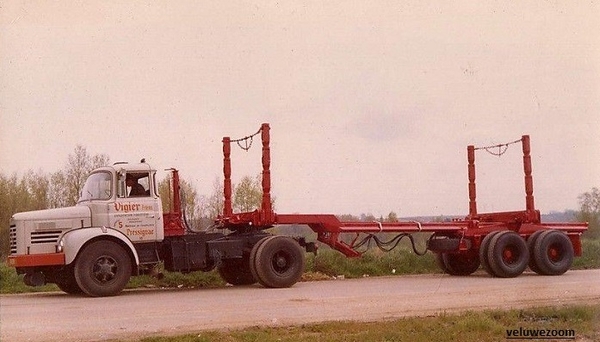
(98, 186)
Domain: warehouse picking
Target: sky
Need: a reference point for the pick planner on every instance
(371, 104)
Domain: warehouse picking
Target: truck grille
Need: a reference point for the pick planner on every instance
(13, 239)
(45, 236)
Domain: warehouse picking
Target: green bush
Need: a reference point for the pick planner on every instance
(11, 282)
(590, 257)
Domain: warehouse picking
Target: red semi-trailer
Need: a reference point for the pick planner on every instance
(111, 234)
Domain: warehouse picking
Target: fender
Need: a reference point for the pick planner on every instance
(72, 241)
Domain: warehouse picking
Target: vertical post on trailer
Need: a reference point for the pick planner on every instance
(472, 189)
(529, 203)
(266, 207)
(227, 206)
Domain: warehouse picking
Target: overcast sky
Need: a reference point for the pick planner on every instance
(371, 104)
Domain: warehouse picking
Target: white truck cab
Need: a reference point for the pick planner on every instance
(118, 213)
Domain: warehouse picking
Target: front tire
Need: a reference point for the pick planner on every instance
(67, 283)
(102, 268)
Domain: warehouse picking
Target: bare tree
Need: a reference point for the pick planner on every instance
(247, 194)
(215, 203)
(191, 202)
(67, 184)
(590, 212)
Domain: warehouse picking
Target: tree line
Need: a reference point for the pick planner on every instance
(37, 190)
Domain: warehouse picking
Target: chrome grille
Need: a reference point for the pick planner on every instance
(13, 239)
(45, 236)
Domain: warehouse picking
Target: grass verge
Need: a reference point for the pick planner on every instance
(491, 325)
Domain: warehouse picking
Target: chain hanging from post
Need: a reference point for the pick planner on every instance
(247, 141)
(501, 148)
(265, 215)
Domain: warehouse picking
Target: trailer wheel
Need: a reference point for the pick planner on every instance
(507, 254)
(531, 246)
(279, 262)
(461, 264)
(483, 251)
(237, 271)
(439, 260)
(553, 253)
(102, 268)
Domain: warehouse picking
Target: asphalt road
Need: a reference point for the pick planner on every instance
(140, 313)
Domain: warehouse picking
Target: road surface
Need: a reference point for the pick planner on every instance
(141, 313)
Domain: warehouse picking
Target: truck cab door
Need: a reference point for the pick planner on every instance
(137, 211)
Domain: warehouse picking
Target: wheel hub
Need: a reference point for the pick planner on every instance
(104, 269)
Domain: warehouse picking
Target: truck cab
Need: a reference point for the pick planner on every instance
(116, 223)
(125, 197)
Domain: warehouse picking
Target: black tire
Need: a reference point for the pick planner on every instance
(483, 251)
(102, 268)
(443, 244)
(553, 253)
(237, 271)
(67, 283)
(507, 254)
(439, 260)
(279, 262)
(461, 264)
(252, 261)
(531, 246)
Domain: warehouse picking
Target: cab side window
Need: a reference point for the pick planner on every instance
(137, 184)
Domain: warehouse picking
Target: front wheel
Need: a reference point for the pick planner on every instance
(67, 283)
(102, 268)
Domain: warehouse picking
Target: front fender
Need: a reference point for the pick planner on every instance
(72, 241)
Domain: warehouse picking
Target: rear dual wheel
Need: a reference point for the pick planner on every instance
(504, 254)
(237, 271)
(277, 261)
(552, 253)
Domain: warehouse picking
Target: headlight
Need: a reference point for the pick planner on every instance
(60, 246)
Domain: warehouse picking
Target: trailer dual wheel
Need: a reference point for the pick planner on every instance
(552, 253)
(237, 271)
(277, 261)
(507, 254)
(102, 268)
(531, 246)
(439, 260)
(483, 248)
(459, 264)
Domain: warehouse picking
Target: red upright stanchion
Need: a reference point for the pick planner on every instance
(529, 203)
(472, 188)
(227, 206)
(266, 207)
